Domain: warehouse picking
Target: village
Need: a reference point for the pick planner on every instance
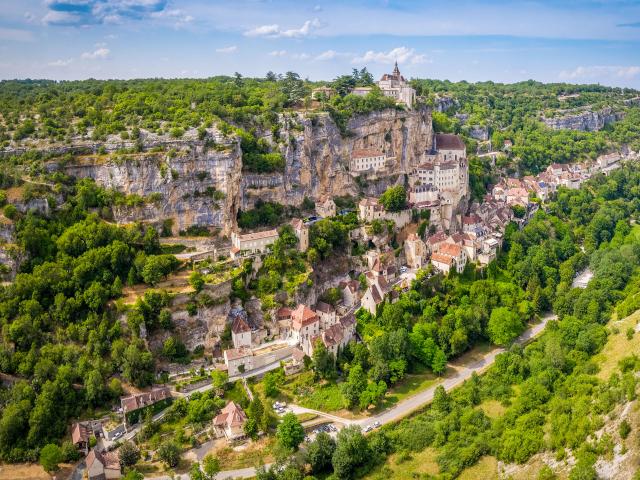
(459, 233)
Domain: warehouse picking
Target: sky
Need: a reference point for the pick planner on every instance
(576, 41)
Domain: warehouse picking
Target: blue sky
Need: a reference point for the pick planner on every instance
(576, 41)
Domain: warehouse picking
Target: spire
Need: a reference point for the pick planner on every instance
(396, 70)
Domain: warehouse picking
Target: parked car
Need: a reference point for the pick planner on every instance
(376, 424)
(368, 428)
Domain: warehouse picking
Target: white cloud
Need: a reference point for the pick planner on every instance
(300, 56)
(399, 54)
(600, 71)
(229, 49)
(177, 16)
(274, 30)
(99, 53)
(61, 63)
(15, 35)
(327, 55)
(278, 53)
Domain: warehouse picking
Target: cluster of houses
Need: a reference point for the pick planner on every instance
(300, 329)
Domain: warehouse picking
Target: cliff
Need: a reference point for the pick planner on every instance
(201, 182)
(587, 121)
(317, 155)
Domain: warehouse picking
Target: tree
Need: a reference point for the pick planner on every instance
(196, 280)
(50, 457)
(219, 379)
(354, 386)
(394, 199)
(133, 475)
(352, 451)
(290, 433)
(439, 362)
(504, 326)
(256, 413)
(251, 429)
(320, 452)
(169, 453)
(324, 363)
(205, 471)
(373, 394)
(129, 454)
(272, 380)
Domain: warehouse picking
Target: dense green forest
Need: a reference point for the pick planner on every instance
(61, 340)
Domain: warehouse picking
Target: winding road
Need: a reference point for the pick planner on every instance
(403, 408)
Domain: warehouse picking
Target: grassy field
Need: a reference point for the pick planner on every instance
(410, 385)
(254, 454)
(618, 345)
(485, 469)
(404, 466)
(492, 408)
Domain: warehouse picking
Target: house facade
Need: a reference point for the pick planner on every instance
(230, 422)
(395, 86)
(256, 242)
(367, 159)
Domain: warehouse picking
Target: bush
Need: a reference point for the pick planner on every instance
(50, 457)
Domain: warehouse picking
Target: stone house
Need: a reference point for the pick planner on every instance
(304, 325)
(256, 242)
(80, 434)
(135, 402)
(326, 207)
(372, 297)
(370, 209)
(448, 257)
(363, 160)
(326, 314)
(350, 292)
(103, 465)
(230, 422)
(240, 333)
(415, 250)
(302, 233)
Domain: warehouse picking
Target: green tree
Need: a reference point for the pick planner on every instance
(352, 451)
(129, 454)
(504, 326)
(50, 457)
(169, 453)
(290, 433)
(394, 199)
(354, 386)
(196, 280)
(324, 363)
(320, 452)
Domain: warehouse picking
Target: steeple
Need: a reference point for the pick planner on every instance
(396, 70)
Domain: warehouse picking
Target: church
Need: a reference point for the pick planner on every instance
(394, 85)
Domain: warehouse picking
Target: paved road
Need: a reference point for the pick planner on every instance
(405, 407)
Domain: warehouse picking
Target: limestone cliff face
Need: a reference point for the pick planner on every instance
(317, 155)
(586, 121)
(196, 185)
(199, 185)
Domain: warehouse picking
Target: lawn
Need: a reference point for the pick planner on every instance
(237, 394)
(410, 385)
(407, 466)
(303, 390)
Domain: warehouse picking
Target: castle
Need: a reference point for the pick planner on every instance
(394, 85)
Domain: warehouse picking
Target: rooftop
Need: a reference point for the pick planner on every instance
(448, 141)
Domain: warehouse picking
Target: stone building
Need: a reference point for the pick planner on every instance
(366, 159)
(395, 86)
(256, 242)
(230, 422)
(302, 233)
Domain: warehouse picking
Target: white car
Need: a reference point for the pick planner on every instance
(376, 424)
(368, 428)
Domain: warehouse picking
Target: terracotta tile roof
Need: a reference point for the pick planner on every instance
(240, 326)
(230, 416)
(375, 293)
(348, 321)
(258, 235)
(437, 238)
(324, 307)
(369, 202)
(80, 433)
(234, 353)
(450, 249)
(441, 258)
(297, 355)
(303, 316)
(140, 400)
(283, 313)
(447, 141)
(333, 335)
(366, 153)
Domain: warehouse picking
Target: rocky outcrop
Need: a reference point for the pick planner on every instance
(190, 184)
(317, 155)
(587, 121)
